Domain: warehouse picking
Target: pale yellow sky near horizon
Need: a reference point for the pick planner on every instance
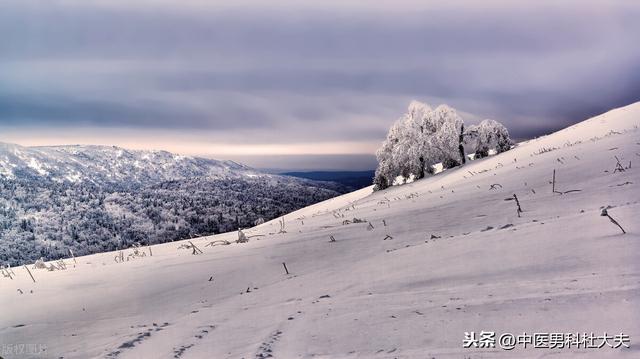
(194, 146)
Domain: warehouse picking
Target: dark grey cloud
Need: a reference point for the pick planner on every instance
(113, 111)
(330, 71)
(86, 31)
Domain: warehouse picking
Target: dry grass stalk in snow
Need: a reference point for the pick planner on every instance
(242, 238)
(7, 272)
(190, 245)
(119, 258)
(281, 221)
(517, 204)
(553, 186)
(40, 264)
(619, 166)
(196, 250)
(57, 265)
(604, 213)
(73, 256)
(137, 252)
(31, 275)
(218, 242)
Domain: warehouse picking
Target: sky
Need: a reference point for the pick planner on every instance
(303, 84)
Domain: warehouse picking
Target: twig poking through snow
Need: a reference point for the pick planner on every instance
(571, 190)
(553, 186)
(196, 250)
(622, 184)
(281, 221)
(619, 167)
(31, 275)
(518, 204)
(218, 242)
(604, 213)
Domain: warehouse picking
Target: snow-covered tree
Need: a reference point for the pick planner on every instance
(444, 141)
(424, 137)
(488, 135)
(420, 139)
(398, 155)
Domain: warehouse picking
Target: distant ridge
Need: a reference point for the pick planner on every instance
(352, 179)
(108, 164)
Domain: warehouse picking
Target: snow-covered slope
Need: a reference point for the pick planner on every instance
(443, 256)
(107, 164)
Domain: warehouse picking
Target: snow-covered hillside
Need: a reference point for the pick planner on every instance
(422, 264)
(93, 199)
(107, 164)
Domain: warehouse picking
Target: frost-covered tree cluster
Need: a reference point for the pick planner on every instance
(425, 137)
(488, 135)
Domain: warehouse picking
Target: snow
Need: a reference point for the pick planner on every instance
(460, 260)
(33, 163)
(398, 181)
(74, 177)
(99, 164)
(6, 169)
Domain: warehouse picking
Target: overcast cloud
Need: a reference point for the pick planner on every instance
(301, 78)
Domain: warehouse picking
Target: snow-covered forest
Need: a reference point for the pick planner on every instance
(108, 207)
(424, 138)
